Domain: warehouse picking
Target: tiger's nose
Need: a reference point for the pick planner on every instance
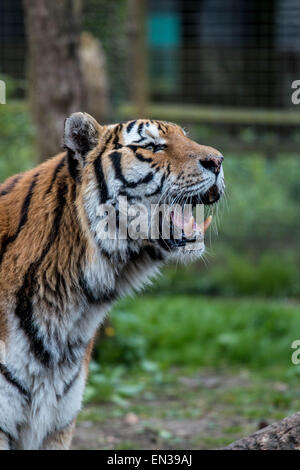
(212, 163)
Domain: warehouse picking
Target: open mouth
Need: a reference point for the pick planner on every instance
(185, 224)
(184, 228)
(185, 220)
(210, 197)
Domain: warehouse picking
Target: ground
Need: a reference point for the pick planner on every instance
(204, 410)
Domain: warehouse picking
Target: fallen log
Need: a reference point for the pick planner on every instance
(282, 435)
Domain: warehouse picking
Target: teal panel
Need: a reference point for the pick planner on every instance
(164, 29)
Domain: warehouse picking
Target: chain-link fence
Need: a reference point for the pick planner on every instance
(242, 53)
(232, 52)
(12, 38)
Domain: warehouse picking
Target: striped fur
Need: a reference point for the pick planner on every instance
(59, 277)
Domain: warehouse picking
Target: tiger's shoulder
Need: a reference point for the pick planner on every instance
(28, 202)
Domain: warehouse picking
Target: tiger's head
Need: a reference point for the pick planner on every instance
(150, 164)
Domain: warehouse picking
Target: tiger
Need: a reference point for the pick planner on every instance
(59, 276)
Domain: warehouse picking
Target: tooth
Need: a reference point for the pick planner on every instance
(207, 223)
(188, 227)
(204, 225)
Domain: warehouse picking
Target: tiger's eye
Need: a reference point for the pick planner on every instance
(149, 147)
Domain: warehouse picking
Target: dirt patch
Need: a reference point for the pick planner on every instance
(198, 412)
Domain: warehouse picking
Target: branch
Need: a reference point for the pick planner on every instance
(282, 435)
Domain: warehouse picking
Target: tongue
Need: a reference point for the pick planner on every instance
(188, 224)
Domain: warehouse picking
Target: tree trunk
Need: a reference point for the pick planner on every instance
(282, 435)
(56, 86)
(94, 72)
(138, 55)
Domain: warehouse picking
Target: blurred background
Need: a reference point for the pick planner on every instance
(203, 357)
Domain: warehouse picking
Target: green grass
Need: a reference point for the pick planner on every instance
(193, 330)
(225, 363)
(155, 336)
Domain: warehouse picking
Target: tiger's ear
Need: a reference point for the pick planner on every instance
(81, 134)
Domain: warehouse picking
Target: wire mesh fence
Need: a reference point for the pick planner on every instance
(232, 52)
(243, 53)
(12, 38)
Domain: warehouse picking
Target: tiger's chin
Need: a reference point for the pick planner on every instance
(183, 250)
(187, 241)
(187, 254)
(186, 224)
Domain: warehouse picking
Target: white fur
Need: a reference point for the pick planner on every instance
(150, 133)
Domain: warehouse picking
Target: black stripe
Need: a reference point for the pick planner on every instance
(164, 127)
(9, 436)
(73, 192)
(10, 186)
(134, 256)
(154, 254)
(98, 169)
(57, 169)
(139, 140)
(142, 158)
(159, 188)
(155, 165)
(116, 160)
(148, 250)
(93, 298)
(139, 131)
(130, 126)
(69, 385)
(24, 309)
(69, 356)
(102, 186)
(9, 376)
(159, 126)
(116, 143)
(129, 196)
(23, 219)
(132, 147)
(114, 256)
(167, 245)
(73, 166)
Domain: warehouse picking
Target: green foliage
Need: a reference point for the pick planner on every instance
(115, 384)
(15, 88)
(17, 152)
(231, 273)
(188, 332)
(263, 201)
(110, 385)
(266, 277)
(201, 331)
(124, 349)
